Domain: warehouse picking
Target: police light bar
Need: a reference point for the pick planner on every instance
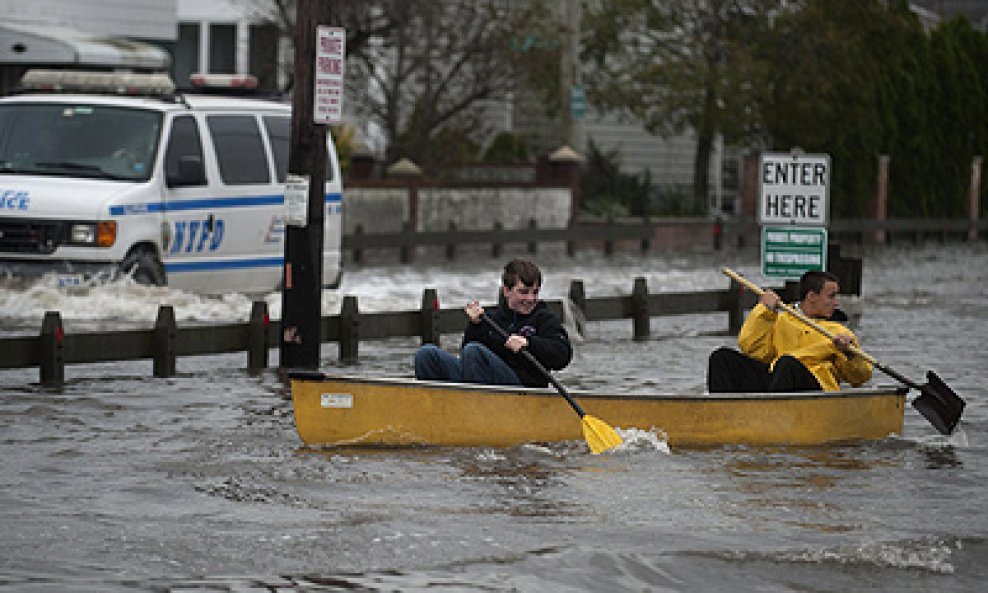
(224, 81)
(87, 81)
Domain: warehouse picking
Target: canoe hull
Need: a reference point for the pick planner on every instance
(336, 410)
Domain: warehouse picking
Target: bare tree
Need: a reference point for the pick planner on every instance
(424, 71)
(364, 21)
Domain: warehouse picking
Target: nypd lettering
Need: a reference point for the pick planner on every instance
(197, 236)
(14, 199)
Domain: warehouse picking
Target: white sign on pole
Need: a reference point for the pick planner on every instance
(794, 189)
(297, 200)
(327, 107)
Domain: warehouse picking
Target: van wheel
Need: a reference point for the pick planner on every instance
(144, 267)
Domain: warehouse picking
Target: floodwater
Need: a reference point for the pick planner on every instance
(124, 482)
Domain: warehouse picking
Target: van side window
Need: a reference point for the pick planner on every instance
(239, 149)
(279, 133)
(183, 159)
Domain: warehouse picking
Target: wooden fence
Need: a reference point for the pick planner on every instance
(646, 234)
(53, 348)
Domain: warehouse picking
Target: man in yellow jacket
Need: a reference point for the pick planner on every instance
(781, 353)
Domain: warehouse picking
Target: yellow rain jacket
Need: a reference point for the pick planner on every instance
(767, 335)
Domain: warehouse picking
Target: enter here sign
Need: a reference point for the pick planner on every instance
(794, 189)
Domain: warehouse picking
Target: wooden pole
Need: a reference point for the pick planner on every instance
(639, 309)
(52, 350)
(302, 283)
(881, 199)
(974, 209)
(349, 330)
(257, 339)
(430, 316)
(165, 336)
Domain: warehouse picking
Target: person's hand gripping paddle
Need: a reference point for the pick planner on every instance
(599, 435)
(936, 402)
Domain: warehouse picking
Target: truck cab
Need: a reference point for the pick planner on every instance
(104, 174)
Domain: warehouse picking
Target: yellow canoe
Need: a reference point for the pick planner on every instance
(342, 410)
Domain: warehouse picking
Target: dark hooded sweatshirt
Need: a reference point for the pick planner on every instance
(547, 340)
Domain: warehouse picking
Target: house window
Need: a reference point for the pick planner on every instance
(186, 54)
(222, 49)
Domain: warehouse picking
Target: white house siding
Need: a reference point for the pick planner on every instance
(669, 161)
(138, 19)
(480, 208)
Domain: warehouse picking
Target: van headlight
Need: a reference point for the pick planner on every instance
(94, 234)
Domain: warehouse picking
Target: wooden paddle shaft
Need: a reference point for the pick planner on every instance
(795, 313)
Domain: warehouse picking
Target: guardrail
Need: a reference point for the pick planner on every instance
(53, 348)
(646, 234)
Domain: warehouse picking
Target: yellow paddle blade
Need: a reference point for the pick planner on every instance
(599, 435)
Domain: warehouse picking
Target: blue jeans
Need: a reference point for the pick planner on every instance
(476, 364)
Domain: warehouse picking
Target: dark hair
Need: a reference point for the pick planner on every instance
(813, 281)
(521, 269)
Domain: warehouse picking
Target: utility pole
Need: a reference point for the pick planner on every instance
(301, 294)
(572, 98)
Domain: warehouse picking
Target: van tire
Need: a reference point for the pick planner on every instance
(144, 267)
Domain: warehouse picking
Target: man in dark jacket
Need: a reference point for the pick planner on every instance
(486, 357)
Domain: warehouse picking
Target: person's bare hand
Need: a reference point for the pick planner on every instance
(843, 342)
(515, 343)
(770, 300)
(474, 311)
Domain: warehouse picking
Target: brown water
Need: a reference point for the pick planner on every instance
(198, 483)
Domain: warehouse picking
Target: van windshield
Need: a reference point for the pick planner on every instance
(78, 140)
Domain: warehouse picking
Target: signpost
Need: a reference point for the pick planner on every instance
(793, 210)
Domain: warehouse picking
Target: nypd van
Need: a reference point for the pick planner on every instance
(179, 190)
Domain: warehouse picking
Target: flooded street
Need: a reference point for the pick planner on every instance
(124, 482)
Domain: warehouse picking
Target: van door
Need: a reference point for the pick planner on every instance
(222, 237)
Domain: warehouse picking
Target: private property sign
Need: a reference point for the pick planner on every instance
(327, 107)
(788, 251)
(794, 189)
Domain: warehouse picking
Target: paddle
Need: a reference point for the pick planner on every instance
(937, 402)
(598, 434)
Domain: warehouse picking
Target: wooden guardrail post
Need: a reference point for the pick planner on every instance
(609, 241)
(258, 333)
(639, 309)
(790, 291)
(407, 251)
(571, 242)
(358, 253)
(52, 350)
(451, 246)
(430, 317)
(163, 348)
(349, 330)
(735, 308)
(578, 295)
(497, 247)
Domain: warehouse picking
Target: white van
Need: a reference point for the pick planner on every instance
(178, 190)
